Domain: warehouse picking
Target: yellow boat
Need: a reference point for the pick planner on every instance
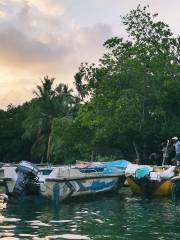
(155, 188)
(156, 184)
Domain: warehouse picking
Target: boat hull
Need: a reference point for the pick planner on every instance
(61, 189)
(6, 185)
(155, 188)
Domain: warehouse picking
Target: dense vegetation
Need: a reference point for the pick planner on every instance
(122, 108)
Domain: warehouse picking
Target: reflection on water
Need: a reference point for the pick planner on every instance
(117, 216)
(3, 201)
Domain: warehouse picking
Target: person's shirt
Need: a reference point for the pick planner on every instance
(177, 147)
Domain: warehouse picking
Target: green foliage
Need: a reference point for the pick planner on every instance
(49, 104)
(12, 148)
(135, 89)
(100, 158)
(127, 104)
(61, 140)
(68, 141)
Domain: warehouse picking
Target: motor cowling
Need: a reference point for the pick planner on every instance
(27, 179)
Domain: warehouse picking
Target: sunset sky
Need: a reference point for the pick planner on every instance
(52, 37)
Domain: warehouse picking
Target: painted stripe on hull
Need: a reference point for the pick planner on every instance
(59, 191)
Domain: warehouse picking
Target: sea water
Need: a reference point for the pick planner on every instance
(113, 216)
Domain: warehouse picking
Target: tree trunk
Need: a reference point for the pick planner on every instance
(137, 153)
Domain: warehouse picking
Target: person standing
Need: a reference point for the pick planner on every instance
(176, 143)
(168, 152)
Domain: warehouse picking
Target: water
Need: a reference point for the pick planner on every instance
(117, 216)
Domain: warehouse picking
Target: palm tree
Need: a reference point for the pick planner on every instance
(49, 104)
(38, 123)
(65, 100)
(79, 83)
(45, 94)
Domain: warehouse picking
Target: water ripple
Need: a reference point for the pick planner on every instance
(113, 217)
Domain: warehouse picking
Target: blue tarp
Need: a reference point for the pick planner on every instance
(117, 163)
(142, 171)
(108, 167)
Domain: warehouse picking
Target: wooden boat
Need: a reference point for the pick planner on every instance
(73, 181)
(176, 185)
(158, 183)
(151, 187)
(69, 180)
(8, 176)
(59, 189)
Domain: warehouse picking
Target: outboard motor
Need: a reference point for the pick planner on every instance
(27, 180)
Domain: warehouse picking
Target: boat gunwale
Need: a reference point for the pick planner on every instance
(59, 179)
(5, 178)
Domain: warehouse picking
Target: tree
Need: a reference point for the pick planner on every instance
(125, 106)
(129, 90)
(12, 148)
(50, 103)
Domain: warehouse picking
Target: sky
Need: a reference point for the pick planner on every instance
(52, 37)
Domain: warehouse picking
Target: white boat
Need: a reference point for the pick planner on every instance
(62, 182)
(8, 176)
(76, 181)
(59, 189)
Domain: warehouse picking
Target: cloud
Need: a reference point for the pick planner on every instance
(39, 37)
(18, 50)
(28, 59)
(48, 7)
(24, 94)
(51, 8)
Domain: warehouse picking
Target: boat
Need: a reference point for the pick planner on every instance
(62, 182)
(176, 184)
(9, 175)
(59, 189)
(91, 179)
(150, 181)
